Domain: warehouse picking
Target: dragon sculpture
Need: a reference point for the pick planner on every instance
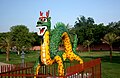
(50, 43)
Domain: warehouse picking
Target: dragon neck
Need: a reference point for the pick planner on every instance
(45, 54)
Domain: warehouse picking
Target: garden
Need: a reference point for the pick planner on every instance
(109, 69)
(16, 45)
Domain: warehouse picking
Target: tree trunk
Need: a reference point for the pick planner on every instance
(111, 53)
(7, 56)
(88, 48)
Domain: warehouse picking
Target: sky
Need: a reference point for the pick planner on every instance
(26, 12)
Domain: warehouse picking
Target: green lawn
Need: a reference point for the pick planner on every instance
(109, 69)
(15, 59)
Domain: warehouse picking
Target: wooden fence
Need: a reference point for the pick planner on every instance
(91, 69)
(13, 67)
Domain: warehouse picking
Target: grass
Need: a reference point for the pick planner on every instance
(15, 58)
(109, 69)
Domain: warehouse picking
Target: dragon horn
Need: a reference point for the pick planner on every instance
(47, 14)
(41, 14)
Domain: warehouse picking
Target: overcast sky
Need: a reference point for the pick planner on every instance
(26, 12)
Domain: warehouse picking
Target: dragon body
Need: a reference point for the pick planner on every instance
(50, 43)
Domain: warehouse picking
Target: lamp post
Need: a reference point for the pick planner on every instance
(23, 56)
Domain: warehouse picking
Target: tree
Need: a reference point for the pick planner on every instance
(110, 38)
(87, 43)
(6, 43)
(37, 39)
(84, 28)
(21, 36)
(114, 27)
(99, 32)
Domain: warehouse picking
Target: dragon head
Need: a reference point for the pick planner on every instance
(44, 23)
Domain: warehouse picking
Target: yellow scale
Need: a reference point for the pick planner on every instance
(45, 53)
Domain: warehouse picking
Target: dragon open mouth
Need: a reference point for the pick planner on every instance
(42, 30)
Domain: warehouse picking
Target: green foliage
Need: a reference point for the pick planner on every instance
(110, 38)
(6, 43)
(84, 28)
(99, 31)
(87, 30)
(37, 39)
(55, 38)
(87, 44)
(114, 27)
(21, 36)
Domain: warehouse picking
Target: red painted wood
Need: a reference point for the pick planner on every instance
(90, 69)
(93, 65)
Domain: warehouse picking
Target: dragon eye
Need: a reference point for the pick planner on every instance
(41, 20)
(45, 20)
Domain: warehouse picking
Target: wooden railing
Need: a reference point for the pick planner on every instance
(13, 67)
(90, 69)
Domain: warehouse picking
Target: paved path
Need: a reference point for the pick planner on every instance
(1, 63)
